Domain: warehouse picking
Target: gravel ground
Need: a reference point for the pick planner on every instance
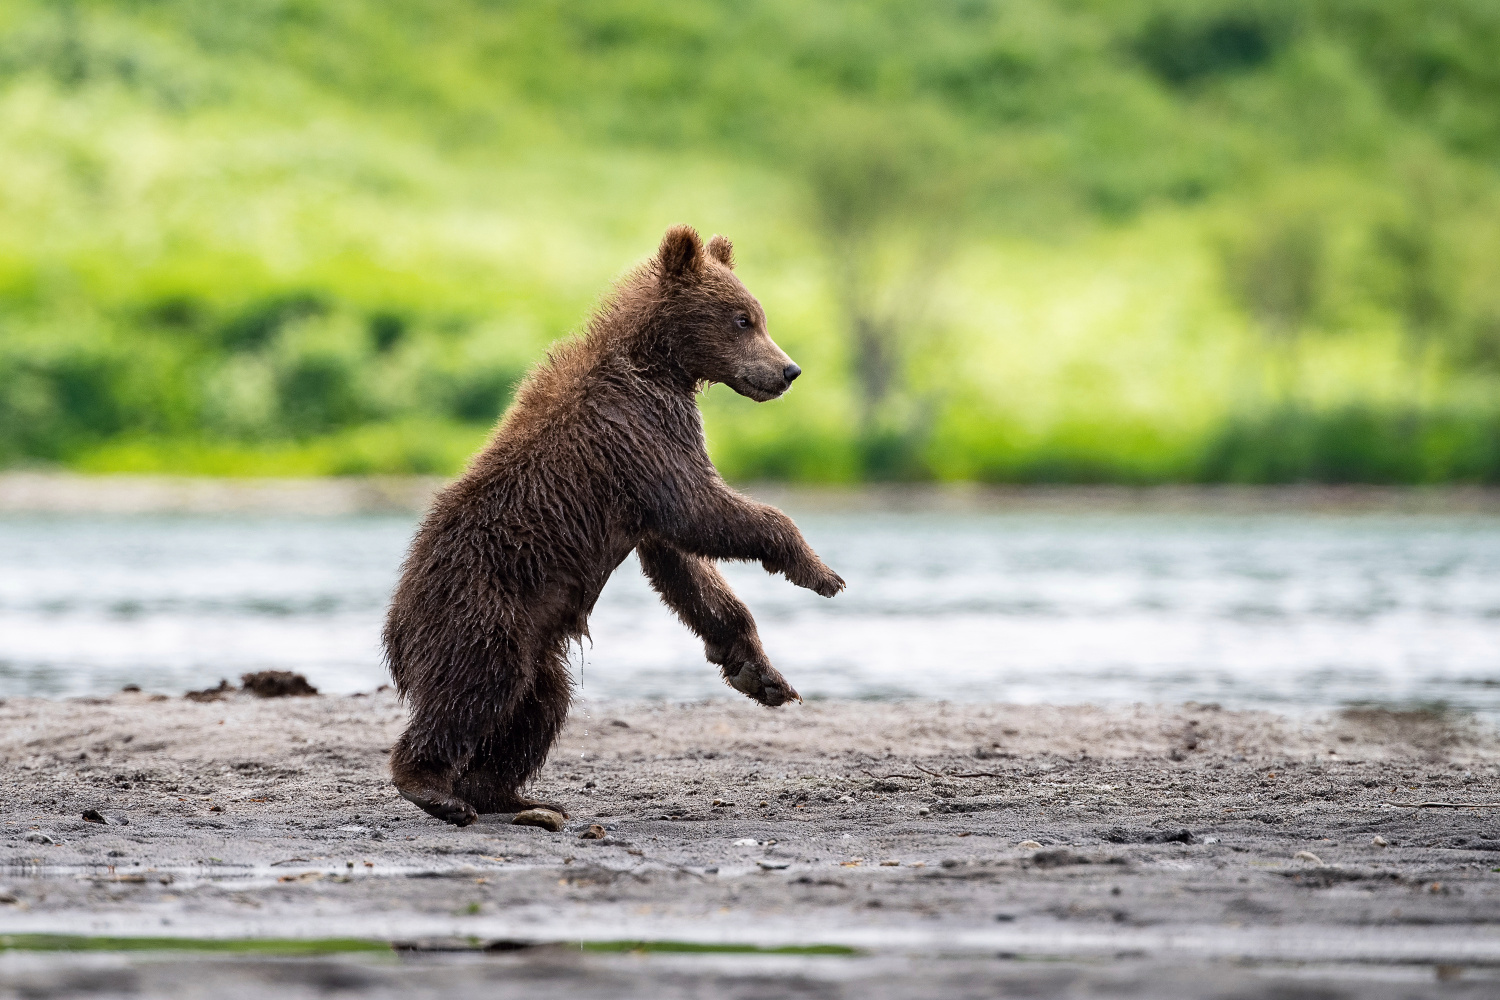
(941, 849)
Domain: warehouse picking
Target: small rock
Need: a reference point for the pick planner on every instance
(1175, 837)
(594, 832)
(747, 842)
(1029, 845)
(95, 816)
(890, 864)
(544, 818)
(39, 838)
(1058, 858)
(773, 866)
(1307, 856)
(1380, 841)
(846, 798)
(7, 897)
(923, 811)
(131, 689)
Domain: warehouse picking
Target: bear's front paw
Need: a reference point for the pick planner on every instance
(820, 580)
(830, 584)
(762, 682)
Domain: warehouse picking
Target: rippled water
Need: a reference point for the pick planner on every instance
(1283, 612)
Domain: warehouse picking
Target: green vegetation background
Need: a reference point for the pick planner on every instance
(1129, 240)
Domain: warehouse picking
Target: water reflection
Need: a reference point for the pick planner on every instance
(1278, 611)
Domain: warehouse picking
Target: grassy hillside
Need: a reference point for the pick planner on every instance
(1006, 239)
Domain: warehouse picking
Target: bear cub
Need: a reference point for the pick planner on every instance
(601, 453)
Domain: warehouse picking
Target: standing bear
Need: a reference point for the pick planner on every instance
(602, 452)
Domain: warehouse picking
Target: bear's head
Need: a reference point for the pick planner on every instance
(717, 329)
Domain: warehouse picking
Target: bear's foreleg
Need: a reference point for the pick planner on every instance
(715, 522)
(699, 594)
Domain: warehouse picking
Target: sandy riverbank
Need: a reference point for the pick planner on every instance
(1142, 845)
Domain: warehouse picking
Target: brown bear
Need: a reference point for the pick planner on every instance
(602, 452)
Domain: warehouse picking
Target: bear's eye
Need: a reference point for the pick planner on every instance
(742, 321)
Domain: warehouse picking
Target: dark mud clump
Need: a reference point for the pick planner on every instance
(277, 684)
(211, 694)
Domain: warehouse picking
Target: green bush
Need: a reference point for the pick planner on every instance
(1356, 444)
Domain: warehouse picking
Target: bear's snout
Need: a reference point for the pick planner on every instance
(764, 382)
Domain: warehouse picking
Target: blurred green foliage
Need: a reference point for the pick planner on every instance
(1026, 240)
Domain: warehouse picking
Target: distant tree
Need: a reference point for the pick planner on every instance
(889, 191)
(1275, 273)
(1419, 275)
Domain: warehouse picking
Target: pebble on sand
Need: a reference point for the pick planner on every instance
(544, 818)
(95, 816)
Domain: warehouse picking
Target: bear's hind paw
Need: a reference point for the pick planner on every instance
(445, 807)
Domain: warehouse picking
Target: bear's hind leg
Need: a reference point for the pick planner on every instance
(517, 748)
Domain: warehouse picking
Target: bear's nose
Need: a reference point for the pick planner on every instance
(790, 373)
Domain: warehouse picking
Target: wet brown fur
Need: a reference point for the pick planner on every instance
(601, 453)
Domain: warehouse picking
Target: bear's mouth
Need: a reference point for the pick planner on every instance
(757, 391)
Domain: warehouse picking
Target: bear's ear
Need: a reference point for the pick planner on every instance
(721, 250)
(681, 251)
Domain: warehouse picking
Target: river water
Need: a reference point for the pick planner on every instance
(1290, 613)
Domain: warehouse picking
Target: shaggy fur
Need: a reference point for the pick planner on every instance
(601, 453)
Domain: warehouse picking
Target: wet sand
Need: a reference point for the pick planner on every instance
(959, 850)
